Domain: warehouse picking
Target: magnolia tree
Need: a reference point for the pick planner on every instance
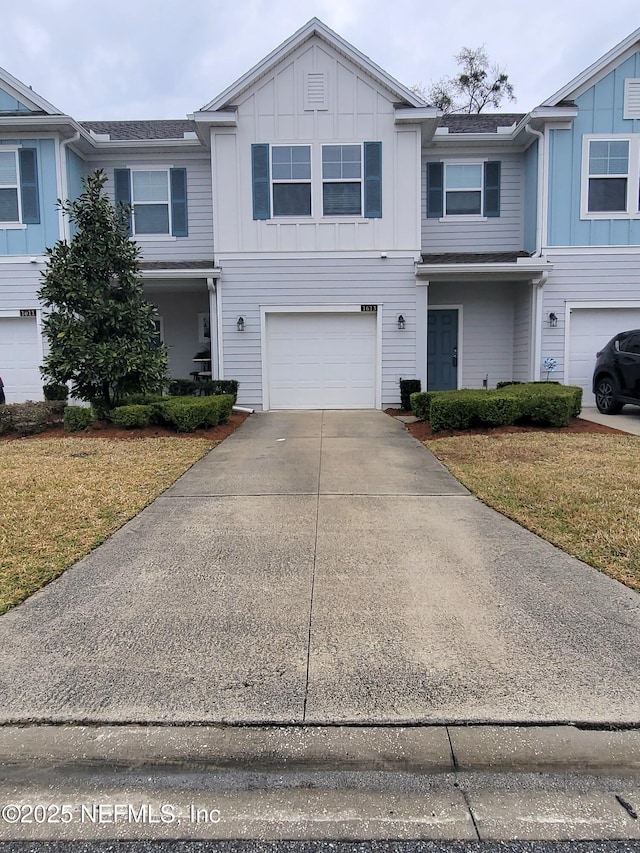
(100, 330)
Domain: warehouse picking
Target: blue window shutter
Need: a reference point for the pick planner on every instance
(122, 180)
(492, 188)
(373, 180)
(434, 190)
(29, 186)
(260, 177)
(179, 220)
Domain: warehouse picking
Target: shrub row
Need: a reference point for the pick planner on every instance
(31, 417)
(184, 414)
(540, 403)
(77, 418)
(205, 388)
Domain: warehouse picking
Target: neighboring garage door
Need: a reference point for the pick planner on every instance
(589, 331)
(20, 358)
(321, 361)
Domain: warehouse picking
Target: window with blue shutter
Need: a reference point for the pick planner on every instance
(373, 180)
(29, 186)
(492, 188)
(261, 183)
(179, 219)
(122, 180)
(434, 190)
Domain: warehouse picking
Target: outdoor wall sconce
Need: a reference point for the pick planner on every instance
(401, 323)
(240, 324)
(553, 320)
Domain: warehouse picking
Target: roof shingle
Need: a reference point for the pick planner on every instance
(153, 129)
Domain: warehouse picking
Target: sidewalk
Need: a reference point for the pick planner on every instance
(464, 783)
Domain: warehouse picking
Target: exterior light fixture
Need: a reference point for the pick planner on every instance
(240, 324)
(553, 320)
(401, 322)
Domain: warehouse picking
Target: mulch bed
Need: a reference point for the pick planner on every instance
(105, 429)
(423, 432)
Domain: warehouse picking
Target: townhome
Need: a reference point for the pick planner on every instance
(325, 233)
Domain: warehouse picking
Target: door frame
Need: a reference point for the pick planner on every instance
(346, 308)
(450, 307)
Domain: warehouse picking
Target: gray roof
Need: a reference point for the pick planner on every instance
(475, 258)
(154, 129)
(479, 122)
(177, 265)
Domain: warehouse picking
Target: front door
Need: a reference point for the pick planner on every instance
(442, 349)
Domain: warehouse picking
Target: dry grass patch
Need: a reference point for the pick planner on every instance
(580, 492)
(63, 496)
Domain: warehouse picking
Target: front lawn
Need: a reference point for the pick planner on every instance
(580, 492)
(61, 497)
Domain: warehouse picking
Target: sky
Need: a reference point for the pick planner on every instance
(126, 59)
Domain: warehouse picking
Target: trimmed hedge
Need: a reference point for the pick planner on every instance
(134, 416)
(205, 388)
(186, 414)
(77, 418)
(407, 388)
(55, 391)
(540, 403)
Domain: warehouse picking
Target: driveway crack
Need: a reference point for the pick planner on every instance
(313, 577)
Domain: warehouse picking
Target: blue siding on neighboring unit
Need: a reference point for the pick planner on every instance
(33, 239)
(75, 174)
(8, 104)
(530, 211)
(600, 110)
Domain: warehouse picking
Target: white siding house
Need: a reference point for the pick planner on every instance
(320, 232)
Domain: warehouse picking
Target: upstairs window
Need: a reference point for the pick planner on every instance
(19, 204)
(342, 180)
(157, 199)
(291, 180)
(463, 189)
(608, 175)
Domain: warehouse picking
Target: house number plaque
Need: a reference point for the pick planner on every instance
(27, 312)
(370, 309)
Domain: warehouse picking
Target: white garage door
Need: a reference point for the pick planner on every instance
(20, 359)
(321, 361)
(589, 330)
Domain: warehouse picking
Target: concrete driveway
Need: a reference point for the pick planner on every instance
(322, 567)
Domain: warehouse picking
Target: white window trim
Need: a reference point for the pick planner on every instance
(464, 217)
(161, 235)
(14, 224)
(295, 216)
(633, 176)
(347, 216)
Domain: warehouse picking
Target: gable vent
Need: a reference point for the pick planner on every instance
(315, 90)
(631, 98)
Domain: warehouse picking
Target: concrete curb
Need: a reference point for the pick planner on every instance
(431, 749)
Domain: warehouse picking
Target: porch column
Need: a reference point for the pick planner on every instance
(537, 294)
(422, 314)
(213, 328)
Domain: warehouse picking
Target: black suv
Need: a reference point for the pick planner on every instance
(616, 378)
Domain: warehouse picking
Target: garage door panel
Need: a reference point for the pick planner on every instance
(589, 330)
(20, 358)
(319, 361)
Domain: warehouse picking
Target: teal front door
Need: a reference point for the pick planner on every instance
(442, 349)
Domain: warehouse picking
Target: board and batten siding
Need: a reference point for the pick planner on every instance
(198, 245)
(606, 279)
(600, 111)
(273, 111)
(502, 233)
(247, 285)
(486, 345)
(34, 239)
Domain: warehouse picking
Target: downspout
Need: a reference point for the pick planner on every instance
(65, 185)
(537, 284)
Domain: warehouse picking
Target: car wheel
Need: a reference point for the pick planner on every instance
(606, 391)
